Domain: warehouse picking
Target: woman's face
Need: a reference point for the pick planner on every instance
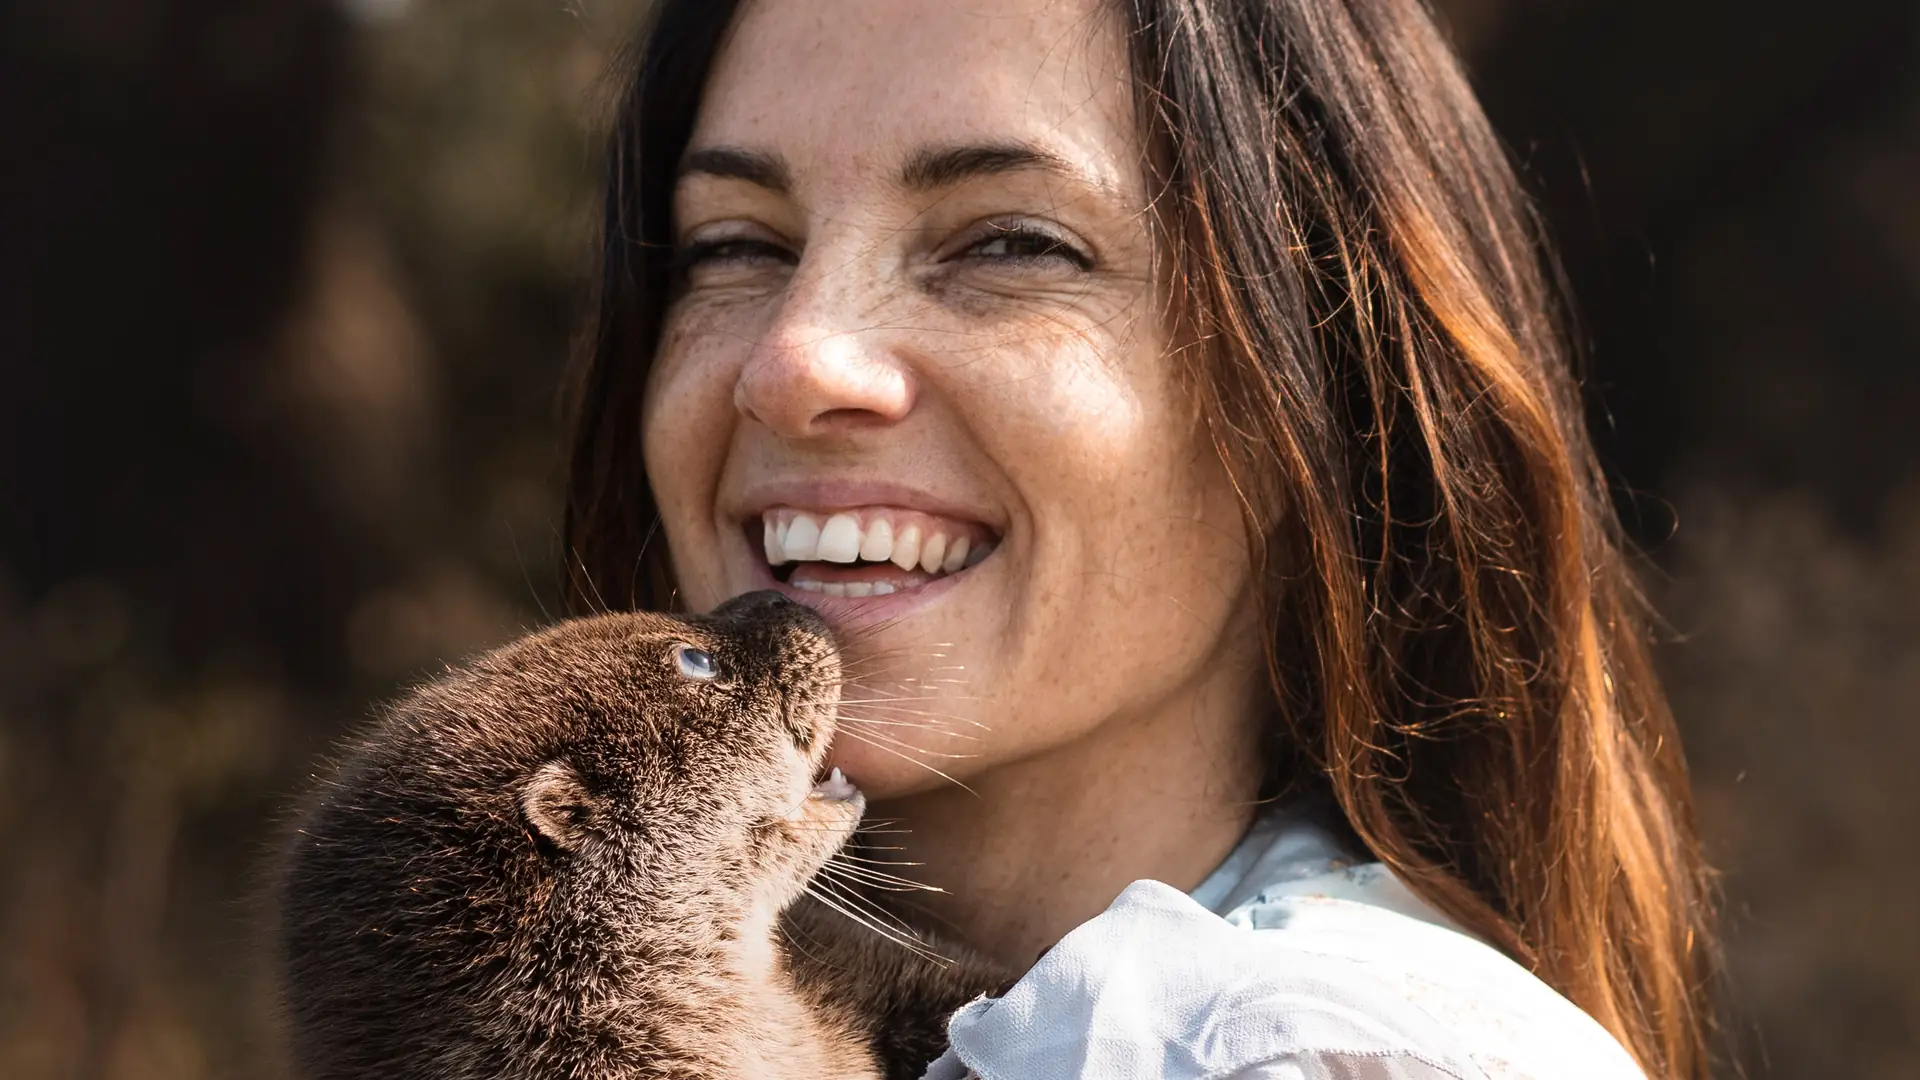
(917, 376)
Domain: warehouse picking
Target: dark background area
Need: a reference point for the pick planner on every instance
(286, 287)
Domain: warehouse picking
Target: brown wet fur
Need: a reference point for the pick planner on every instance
(569, 860)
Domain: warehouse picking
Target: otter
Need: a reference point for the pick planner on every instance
(573, 858)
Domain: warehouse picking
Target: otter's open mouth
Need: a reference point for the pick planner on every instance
(871, 551)
(835, 788)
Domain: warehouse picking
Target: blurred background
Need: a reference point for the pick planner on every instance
(286, 288)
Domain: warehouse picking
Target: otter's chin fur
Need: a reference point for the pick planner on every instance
(572, 858)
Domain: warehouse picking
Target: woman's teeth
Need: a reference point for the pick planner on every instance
(915, 543)
(845, 588)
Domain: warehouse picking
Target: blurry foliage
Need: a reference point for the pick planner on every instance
(402, 401)
(1799, 685)
(309, 451)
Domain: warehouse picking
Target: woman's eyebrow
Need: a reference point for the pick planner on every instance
(926, 169)
(761, 169)
(933, 167)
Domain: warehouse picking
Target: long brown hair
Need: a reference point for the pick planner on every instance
(1453, 633)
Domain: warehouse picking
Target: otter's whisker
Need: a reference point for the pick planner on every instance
(910, 943)
(883, 886)
(897, 702)
(941, 728)
(870, 631)
(911, 697)
(907, 699)
(860, 668)
(875, 827)
(924, 718)
(910, 665)
(876, 862)
(931, 721)
(878, 879)
(850, 861)
(597, 604)
(859, 901)
(834, 901)
(875, 738)
(914, 685)
(878, 655)
(863, 737)
(883, 741)
(884, 709)
(883, 705)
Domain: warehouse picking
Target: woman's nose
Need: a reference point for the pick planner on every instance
(805, 382)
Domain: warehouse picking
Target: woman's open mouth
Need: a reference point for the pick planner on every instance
(873, 551)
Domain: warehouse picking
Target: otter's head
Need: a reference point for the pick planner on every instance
(679, 761)
(532, 829)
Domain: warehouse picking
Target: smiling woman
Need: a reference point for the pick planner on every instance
(936, 331)
(1163, 402)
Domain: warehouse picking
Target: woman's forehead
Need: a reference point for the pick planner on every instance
(858, 87)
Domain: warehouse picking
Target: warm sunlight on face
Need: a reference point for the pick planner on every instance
(917, 377)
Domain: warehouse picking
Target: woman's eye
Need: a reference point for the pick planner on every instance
(1027, 245)
(695, 663)
(728, 252)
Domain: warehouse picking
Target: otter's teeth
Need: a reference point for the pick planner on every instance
(835, 787)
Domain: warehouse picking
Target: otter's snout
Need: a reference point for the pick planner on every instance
(776, 622)
(764, 604)
(795, 654)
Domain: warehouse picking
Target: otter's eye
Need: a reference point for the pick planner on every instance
(695, 663)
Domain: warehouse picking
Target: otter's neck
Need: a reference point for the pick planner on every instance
(682, 1004)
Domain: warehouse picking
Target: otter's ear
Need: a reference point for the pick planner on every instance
(559, 807)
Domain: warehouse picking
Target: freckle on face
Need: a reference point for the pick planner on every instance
(858, 343)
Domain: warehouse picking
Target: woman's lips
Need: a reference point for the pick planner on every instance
(853, 615)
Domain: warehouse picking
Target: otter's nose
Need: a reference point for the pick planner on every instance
(771, 614)
(766, 603)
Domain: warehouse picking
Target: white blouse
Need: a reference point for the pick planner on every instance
(1287, 963)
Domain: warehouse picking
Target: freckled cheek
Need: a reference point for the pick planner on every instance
(1126, 500)
(688, 421)
(1079, 435)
